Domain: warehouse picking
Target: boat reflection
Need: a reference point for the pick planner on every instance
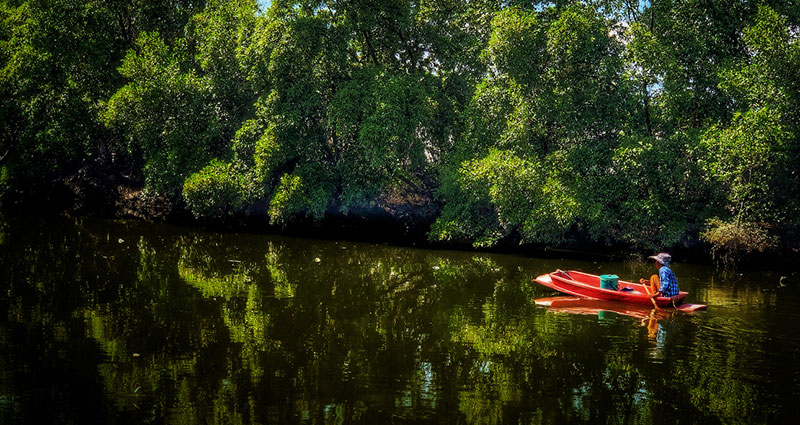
(574, 305)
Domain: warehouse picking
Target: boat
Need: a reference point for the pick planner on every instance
(586, 285)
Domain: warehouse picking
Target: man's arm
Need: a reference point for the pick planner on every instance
(663, 279)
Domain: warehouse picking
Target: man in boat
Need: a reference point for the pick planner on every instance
(665, 280)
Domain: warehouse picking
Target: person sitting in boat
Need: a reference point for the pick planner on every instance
(665, 280)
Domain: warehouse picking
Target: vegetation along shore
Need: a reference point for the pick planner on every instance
(658, 125)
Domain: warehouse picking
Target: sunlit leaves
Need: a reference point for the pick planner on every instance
(167, 114)
(517, 45)
(732, 240)
(555, 87)
(302, 193)
(751, 156)
(222, 33)
(653, 191)
(383, 124)
(747, 158)
(525, 199)
(55, 68)
(215, 191)
(352, 107)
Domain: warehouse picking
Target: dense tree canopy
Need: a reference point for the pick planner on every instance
(648, 124)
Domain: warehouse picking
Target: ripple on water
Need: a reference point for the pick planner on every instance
(747, 342)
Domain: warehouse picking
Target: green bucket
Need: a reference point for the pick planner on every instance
(609, 281)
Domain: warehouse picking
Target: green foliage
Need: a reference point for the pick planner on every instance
(486, 118)
(696, 40)
(503, 194)
(167, 114)
(4, 183)
(732, 241)
(539, 122)
(54, 71)
(517, 45)
(58, 63)
(747, 158)
(609, 131)
(382, 122)
(167, 17)
(222, 33)
(302, 193)
(753, 157)
(365, 125)
(652, 198)
(214, 191)
(529, 154)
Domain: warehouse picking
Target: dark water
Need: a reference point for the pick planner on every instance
(115, 322)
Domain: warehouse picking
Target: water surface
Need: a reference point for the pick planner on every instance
(129, 322)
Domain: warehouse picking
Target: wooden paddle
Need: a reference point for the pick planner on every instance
(647, 289)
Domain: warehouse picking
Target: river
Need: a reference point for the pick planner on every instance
(131, 322)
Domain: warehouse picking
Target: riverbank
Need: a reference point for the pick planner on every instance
(399, 219)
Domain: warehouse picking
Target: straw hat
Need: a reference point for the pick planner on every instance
(662, 258)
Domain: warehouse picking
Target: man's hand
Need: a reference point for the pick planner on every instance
(643, 281)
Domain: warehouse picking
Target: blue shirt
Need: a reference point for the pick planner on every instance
(669, 283)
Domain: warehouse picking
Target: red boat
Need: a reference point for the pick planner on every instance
(587, 285)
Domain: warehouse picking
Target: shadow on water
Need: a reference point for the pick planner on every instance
(127, 322)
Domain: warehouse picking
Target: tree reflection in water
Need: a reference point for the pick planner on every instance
(132, 322)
